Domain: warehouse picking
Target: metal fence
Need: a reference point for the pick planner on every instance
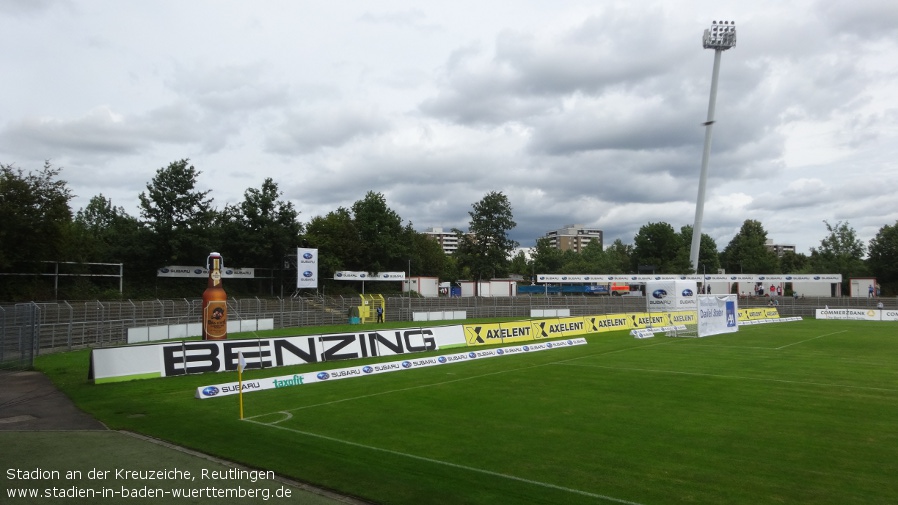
(28, 329)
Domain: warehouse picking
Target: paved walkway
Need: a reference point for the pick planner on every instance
(30, 402)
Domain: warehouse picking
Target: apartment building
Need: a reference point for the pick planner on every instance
(574, 237)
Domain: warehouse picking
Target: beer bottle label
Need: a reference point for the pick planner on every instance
(216, 319)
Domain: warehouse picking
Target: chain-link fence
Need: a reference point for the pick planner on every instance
(28, 329)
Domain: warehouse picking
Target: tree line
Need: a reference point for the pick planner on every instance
(178, 224)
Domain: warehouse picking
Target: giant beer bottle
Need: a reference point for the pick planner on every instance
(215, 301)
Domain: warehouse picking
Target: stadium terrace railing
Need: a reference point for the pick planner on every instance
(28, 329)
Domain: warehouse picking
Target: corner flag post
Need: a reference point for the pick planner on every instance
(241, 364)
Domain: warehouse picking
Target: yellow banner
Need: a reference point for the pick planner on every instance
(608, 322)
(684, 317)
(752, 313)
(645, 320)
(498, 333)
(559, 327)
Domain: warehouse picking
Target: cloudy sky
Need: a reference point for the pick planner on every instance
(586, 112)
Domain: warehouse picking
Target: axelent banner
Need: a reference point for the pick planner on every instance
(307, 268)
(289, 381)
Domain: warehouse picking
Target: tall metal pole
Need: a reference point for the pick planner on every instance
(703, 178)
(720, 38)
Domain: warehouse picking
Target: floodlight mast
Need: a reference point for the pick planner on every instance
(720, 37)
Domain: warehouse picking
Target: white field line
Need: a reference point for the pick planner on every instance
(808, 340)
(740, 377)
(391, 391)
(287, 411)
(452, 465)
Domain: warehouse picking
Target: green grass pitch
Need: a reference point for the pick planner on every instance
(799, 412)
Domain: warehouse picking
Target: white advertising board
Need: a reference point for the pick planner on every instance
(853, 314)
(306, 268)
(670, 295)
(189, 357)
(232, 388)
(717, 314)
(348, 275)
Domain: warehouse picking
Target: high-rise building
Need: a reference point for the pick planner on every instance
(574, 237)
(447, 239)
(779, 249)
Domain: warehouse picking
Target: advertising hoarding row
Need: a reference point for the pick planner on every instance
(188, 357)
(644, 278)
(231, 388)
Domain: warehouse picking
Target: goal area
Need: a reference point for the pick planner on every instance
(676, 309)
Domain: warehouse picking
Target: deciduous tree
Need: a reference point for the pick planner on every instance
(747, 252)
(840, 252)
(883, 257)
(487, 248)
(180, 216)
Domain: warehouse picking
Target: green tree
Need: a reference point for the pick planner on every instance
(262, 229)
(485, 251)
(383, 240)
(547, 259)
(619, 257)
(336, 238)
(426, 255)
(747, 252)
(883, 257)
(658, 245)
(104, 232)
(708, 256)
(794, 263)
(180, 216)
(840, 252)
(35, 217)
(521, 265)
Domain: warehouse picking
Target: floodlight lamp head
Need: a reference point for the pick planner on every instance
(721, 36)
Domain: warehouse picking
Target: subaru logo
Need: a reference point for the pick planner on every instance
(526, 348)
(687, 292)
(229, 272)
(549, 345)
(816, 277)
(472, 355)
(659, 293)
(339, 274)
(570, 342)
(198, 271)
(760, 277)
(500, 351)
(406, 364)
(307, 256)
(367, 369)
(323, 376)
(442, 359)
(164, 270)
(210, 391)
(362, 276)
(788, 277)
(307, 274)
